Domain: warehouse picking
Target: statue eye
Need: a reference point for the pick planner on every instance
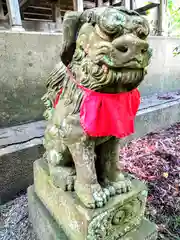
(141, 33)
(142, 36)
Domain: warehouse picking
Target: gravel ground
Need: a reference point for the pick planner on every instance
(158, 164)
(14, 223)
(156, 160)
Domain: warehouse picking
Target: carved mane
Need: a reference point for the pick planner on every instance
(75, 57)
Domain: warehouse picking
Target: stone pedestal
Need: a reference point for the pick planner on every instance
(51, 210)
(44, 225)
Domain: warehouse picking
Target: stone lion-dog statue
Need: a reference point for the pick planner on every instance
(92, 99)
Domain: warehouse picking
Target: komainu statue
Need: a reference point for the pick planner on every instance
(92, 100)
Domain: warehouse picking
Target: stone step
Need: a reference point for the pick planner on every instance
(154, 115)
(21, 145)
(21, 133)
(16, 167)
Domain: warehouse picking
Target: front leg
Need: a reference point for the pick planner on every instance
(59, 159)
(86, 186)
(111, 176)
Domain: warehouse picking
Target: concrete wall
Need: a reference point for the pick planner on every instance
(27, 58)
(164, 70)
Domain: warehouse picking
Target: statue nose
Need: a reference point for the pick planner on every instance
(130, 45)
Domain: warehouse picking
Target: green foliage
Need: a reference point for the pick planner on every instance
(148, 11)
(176, 51)
(173, 17)
(174, 22)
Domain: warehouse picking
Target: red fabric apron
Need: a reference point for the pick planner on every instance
(105, 114)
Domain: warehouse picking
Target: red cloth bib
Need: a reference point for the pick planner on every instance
(104, 114)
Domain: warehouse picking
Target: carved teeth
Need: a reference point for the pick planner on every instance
(145, 70)
(105, 68)
(87, 49)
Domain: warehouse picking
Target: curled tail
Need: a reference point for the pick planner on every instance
(53, 84)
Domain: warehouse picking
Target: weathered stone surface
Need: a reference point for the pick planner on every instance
(120, 215)
(44, 225)
(146, 231)
(24, 66)
(16, 167)
(79, 135)
(47, 228)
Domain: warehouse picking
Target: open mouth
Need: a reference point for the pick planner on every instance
(101, 75)
(128, 73)
(133, 63)
(133, 60)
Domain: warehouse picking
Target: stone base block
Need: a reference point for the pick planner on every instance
(44, 225)
(121, 218)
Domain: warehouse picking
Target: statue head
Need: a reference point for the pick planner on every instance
(109, 44)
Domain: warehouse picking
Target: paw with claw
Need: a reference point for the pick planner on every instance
(118, 186)
(69, 183)
(92, 195)
(122, 186)
(63, 177)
